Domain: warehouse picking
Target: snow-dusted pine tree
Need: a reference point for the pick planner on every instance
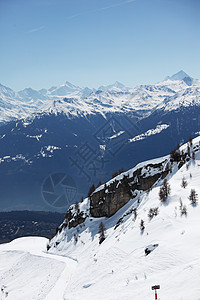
(164, 191)
(193, 197)
(102, 231)
(142, 227)
(184, 183)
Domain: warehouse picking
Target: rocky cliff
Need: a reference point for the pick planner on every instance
(108, 199)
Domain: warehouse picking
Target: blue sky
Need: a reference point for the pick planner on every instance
(95, 42)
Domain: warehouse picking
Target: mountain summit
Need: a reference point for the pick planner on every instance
(117, 85)
(179, 75)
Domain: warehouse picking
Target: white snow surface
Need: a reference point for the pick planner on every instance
(74, 101)
(118, 268)
(149, 132)
(27, 272)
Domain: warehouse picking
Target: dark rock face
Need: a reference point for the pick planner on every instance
(73, 219)
(106, 204)
(107, 201)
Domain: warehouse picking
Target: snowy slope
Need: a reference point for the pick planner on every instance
(184, 98)
(119, 268)
(27, 272)
(12, 107)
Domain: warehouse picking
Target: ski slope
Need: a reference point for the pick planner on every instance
(27, 272)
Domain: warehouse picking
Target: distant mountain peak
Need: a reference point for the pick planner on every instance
(117, 84)
(179, 76)
(70, 85)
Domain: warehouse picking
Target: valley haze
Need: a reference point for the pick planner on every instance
(80, 136)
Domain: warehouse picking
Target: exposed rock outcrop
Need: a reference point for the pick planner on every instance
(73, 218)
(108, 199)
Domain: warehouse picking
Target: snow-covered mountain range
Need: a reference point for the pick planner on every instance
(133, 256)
(179, 89)
(87, 137)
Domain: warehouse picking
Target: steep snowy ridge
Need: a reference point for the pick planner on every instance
(185, 98)
(77, 267)
(119, 267)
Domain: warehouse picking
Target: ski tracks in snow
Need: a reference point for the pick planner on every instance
(28, 272)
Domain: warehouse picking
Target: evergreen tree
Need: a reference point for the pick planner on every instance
(153, 212)
(164, 191)
(121, 170)
(135, 213)
(114, 174)
(142, 227)
(193, 155)
(182, 208)
(184, 211)
(99, 183)
(188, 149)
(91, 190)
(77, 208)
(190, 140)
(102, 231)
(184, 183)
(75, 238)
(175, 155)
(193, 197)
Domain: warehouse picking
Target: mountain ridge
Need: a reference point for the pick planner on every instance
(75, 101)
(131, 257)
(43, 137)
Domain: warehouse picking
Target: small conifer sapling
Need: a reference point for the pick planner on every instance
(193, 197)
(184, 183)
(102, 231)
(164, 191)
(142, 227)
